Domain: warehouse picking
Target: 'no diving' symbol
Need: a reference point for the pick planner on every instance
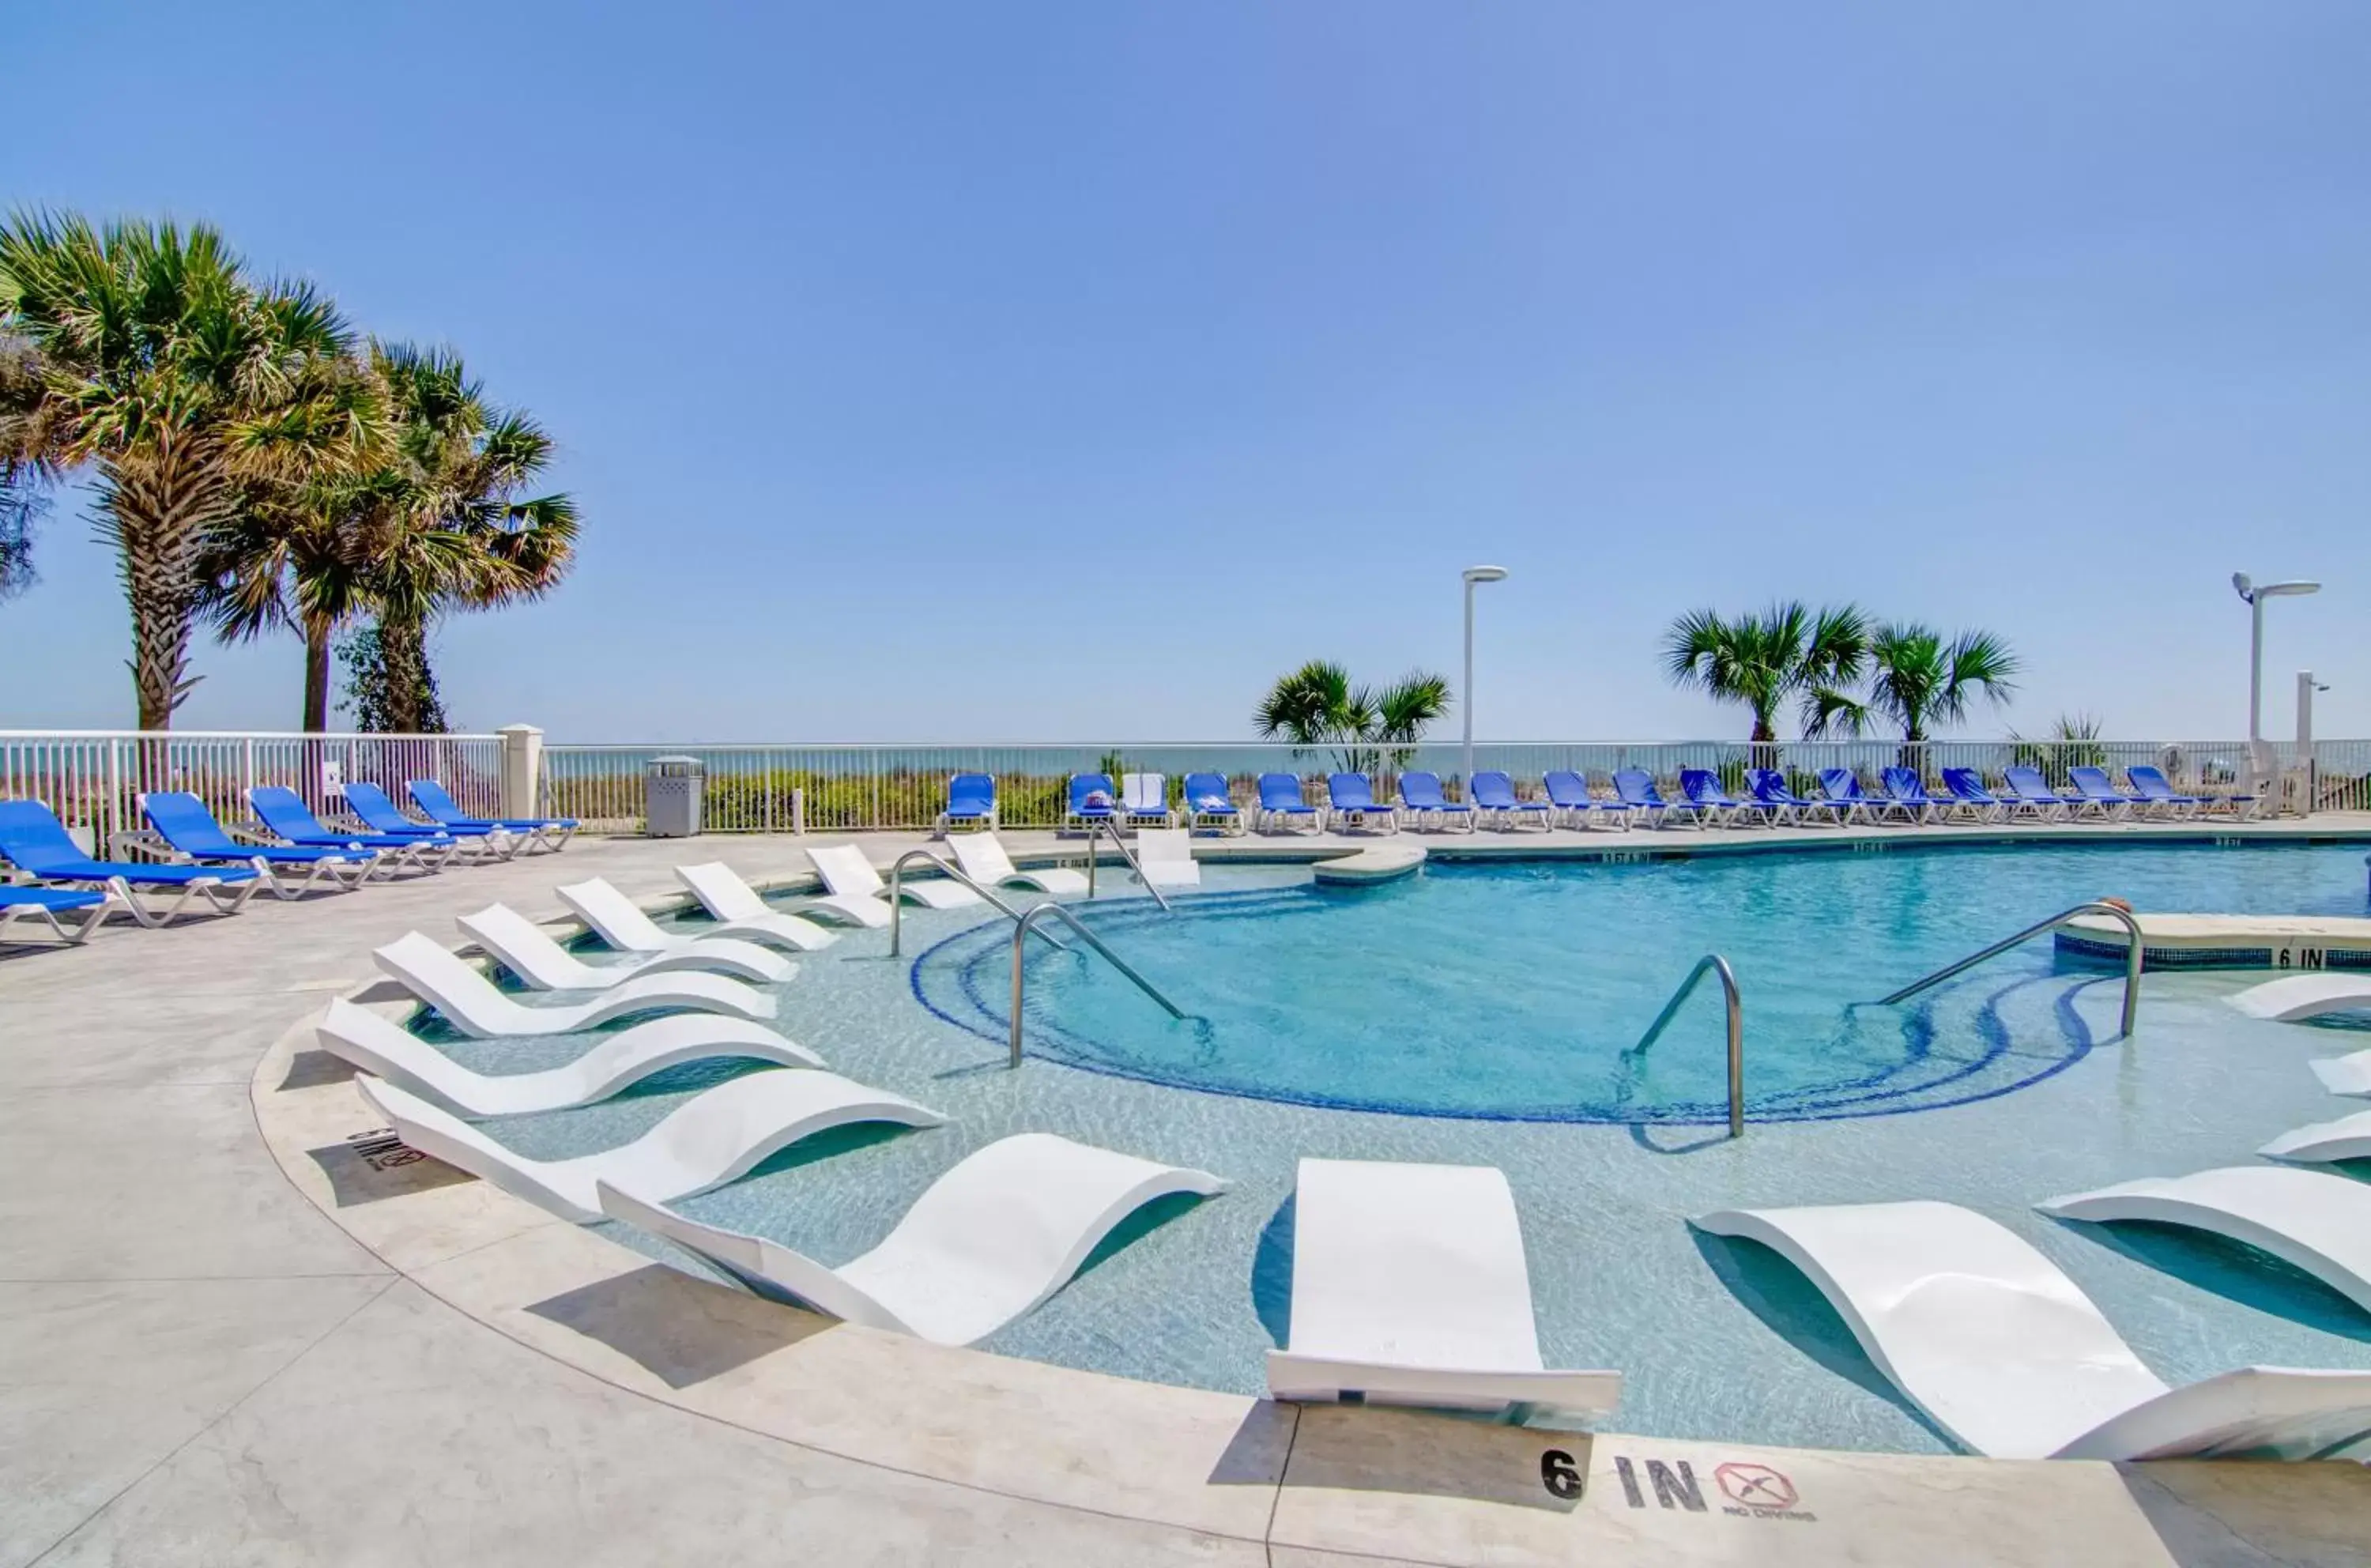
(1756, 1486)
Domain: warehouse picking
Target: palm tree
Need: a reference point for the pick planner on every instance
(1316, 707)
(1917, 681)
(2073, 742)
(1764, 661)
(430, 523)
(179, 382)
(460, 537)
(298, 555)
(30, 449)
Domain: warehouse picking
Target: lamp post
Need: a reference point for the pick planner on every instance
(2255, 594)
(1472, 574)
(2307, 687)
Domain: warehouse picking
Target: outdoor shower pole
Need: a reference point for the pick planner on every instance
(2248, 588)
(1472, 574)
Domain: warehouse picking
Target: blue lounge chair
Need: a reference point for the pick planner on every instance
(1280, 796)
(1636, 789)
(1091, 801)
(1495, 801)
(1351, 796)
(2152, 786)
(547, 833)
(33, 840)
(1769, 787)
(1841, 787)
(1568, 793)
(1208, 804)
(286, 815)
(1968, 794)
(374, 811)
(1701, 787)
(182, 829)
(2098, 793)
(1421, 800)
(1906, 792)
(2030, 794)
(1144, 802)
(46, 904)
(2239, 807)
(971, 801)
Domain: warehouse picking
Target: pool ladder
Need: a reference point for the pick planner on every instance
(1024, 925)
(1099, 825)
(2096, 906)
(897, 896)
(1714, 963)
(1020, 939)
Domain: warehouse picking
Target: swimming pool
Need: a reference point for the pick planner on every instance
(1486, 989)
(1487, 1008)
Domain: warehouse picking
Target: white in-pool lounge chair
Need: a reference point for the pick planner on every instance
(2318, 1222)
(850, 876)
(2006, 1354)
(527, 951)
(1167, 855)
(722, 893)
(1409, 1287)
(983, 859)
(740, 910)
(471, 1003)
(385, 1048)
(2300, 997)
(994, 1237)
(719, 887)
(622, 923)
(710, 1139)
(2345, 1075)
(2348, 1137)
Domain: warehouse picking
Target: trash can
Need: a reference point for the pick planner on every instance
(672, 787)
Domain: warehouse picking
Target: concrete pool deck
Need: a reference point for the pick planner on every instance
(233, 1337)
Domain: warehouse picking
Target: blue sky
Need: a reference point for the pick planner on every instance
(1067, 371)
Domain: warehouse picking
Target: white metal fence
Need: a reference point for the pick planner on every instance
(93, 778)
(753, 788)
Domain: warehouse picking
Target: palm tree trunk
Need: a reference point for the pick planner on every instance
(317, 678)
(412, 708)
(1763, 748)
(156, 513)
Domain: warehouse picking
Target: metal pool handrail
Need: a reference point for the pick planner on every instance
(897, 899)
(2096, 906)
(1097, 825)
(1020, 932)
(1719, 965)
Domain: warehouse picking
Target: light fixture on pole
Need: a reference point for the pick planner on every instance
(2307, 687)
(2247, 589)
(1472, 574)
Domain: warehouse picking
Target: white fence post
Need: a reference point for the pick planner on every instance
(522, 768)
(114, 793)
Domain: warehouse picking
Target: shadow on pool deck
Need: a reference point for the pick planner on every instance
(680, 1330)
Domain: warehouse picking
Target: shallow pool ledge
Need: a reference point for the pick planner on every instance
(2227, 941)
(1377, 862)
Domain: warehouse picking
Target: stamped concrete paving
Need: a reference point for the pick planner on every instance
(197, 1364)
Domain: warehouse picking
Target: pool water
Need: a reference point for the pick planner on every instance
(1490, 1007)
(1519, 991)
